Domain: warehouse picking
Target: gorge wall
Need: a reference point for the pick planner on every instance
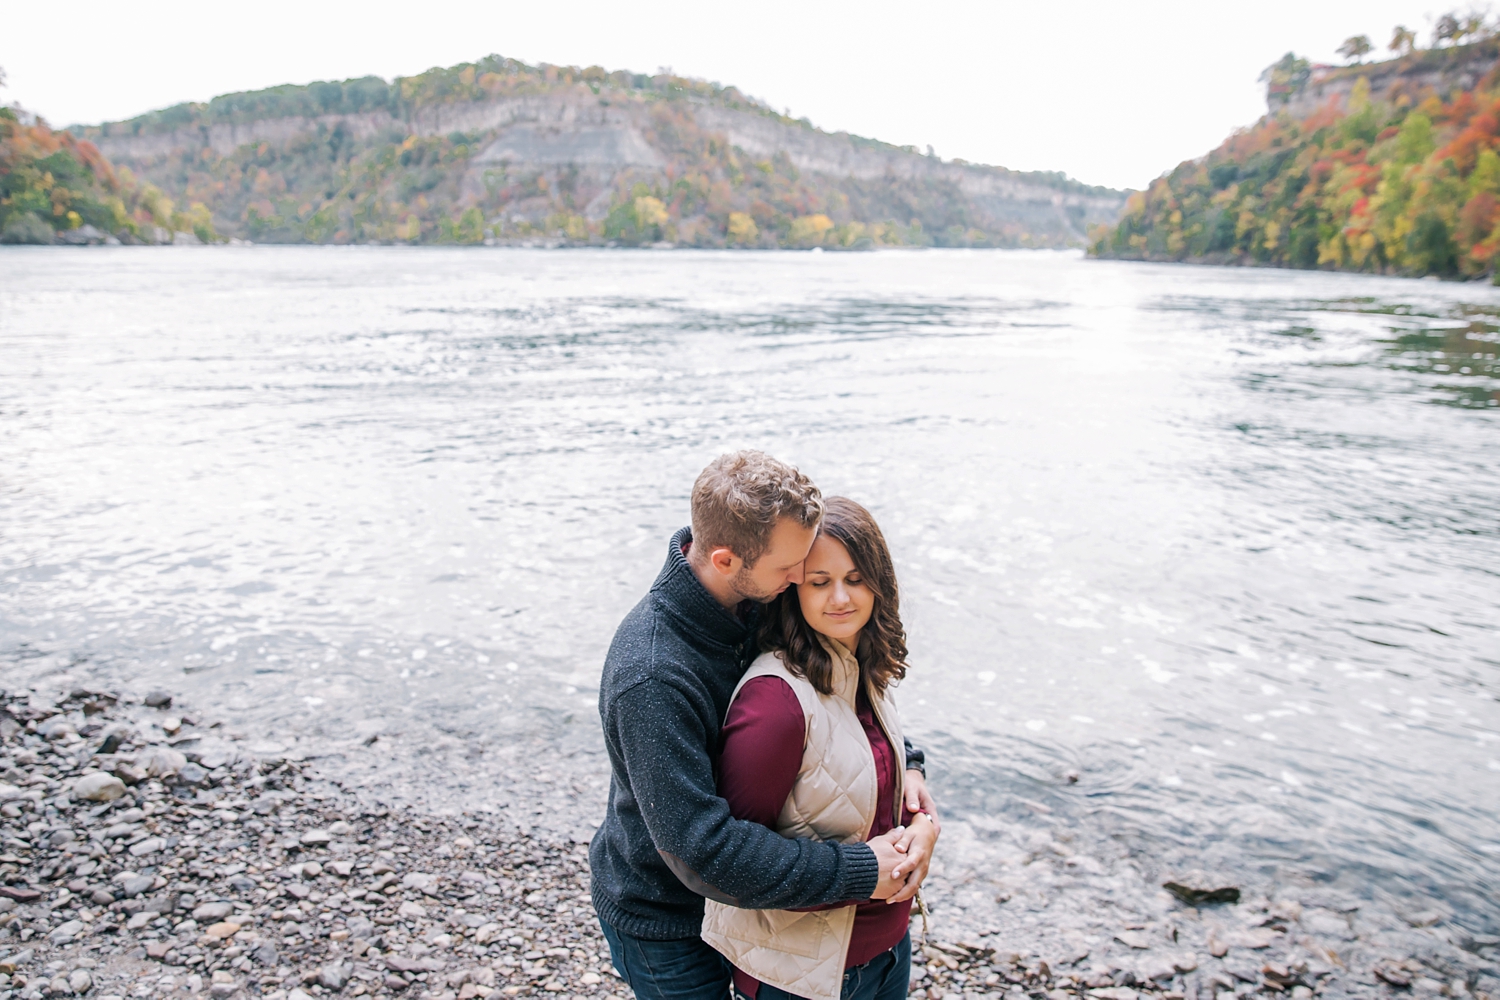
(502, 150)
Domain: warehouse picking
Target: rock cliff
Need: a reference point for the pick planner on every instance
(499, 150)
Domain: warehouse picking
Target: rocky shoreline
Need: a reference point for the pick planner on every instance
(142, 858)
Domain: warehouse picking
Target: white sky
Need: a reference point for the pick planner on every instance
(1110, 92)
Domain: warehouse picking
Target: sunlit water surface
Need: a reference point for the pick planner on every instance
(1222, 544)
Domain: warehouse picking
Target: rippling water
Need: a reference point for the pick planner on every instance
(1222, 544)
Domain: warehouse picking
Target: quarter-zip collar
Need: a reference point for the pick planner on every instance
(679, 593)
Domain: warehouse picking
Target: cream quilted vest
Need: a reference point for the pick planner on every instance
(834, 799)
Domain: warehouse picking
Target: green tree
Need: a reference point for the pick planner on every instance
(1285, 78)
(1356, 47)
(1403, 40)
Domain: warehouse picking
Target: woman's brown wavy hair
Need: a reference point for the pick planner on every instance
(882, 642)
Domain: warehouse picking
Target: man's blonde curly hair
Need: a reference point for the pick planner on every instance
(739, 497)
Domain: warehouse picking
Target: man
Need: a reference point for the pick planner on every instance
(668, 839)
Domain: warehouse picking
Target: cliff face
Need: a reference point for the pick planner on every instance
(499, 150)
(1408, 80)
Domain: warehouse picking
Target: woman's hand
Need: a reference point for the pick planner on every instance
(918, 799)
(916, 842)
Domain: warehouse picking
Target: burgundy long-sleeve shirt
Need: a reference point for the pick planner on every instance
(760, 755)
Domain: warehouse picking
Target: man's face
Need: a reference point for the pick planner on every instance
(780, 566)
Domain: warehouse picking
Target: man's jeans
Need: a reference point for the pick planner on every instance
(887, 976)
(690, 970)
(669, 970)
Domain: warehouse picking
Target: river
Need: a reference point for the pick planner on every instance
(1200, 566)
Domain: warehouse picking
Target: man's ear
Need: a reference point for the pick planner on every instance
(724, 560)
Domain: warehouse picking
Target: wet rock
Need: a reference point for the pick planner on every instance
(1393, 974)
(98, 787)
(1200, 894)
(1132, 939)
(159, 699)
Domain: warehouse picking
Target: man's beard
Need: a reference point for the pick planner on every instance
(745, 586)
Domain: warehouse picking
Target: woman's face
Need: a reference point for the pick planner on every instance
(834, 598)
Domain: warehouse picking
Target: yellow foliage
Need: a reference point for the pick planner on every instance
(650, 211)
(809, 230)
(742, 228)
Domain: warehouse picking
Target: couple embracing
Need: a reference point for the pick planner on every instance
(768, 824)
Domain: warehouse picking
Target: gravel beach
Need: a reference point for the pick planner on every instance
(146, 855)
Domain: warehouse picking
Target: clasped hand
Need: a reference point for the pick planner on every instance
(904, 854)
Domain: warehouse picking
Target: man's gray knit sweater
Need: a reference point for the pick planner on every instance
(668, 839)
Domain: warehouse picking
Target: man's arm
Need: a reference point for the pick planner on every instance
(665, 750)
(918, 799)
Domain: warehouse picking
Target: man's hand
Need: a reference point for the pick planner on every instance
(918, 799)
(916, 842)
(890, 859)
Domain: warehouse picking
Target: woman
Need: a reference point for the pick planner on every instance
(811, 747)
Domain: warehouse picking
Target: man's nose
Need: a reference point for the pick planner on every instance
(795, 576)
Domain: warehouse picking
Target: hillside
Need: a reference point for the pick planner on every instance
(502, 151)
(56, 188)
(1390, 168)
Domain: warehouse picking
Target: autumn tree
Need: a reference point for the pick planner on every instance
(1403, 40)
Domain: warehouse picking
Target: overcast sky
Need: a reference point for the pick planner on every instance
(1109, 92)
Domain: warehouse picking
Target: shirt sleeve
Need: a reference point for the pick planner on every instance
(761, 750)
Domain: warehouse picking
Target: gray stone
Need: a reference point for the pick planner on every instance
(136, 884)
(333, 976)
(66, 932)
(159, 699)
(212, 911)
(148, 846)
(265, 955)
(160, 762)
(315, 837)
(192, 774)
(98, 787)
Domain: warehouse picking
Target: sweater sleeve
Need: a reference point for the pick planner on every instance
(916, 760)
(664, 748)
(761, 750)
